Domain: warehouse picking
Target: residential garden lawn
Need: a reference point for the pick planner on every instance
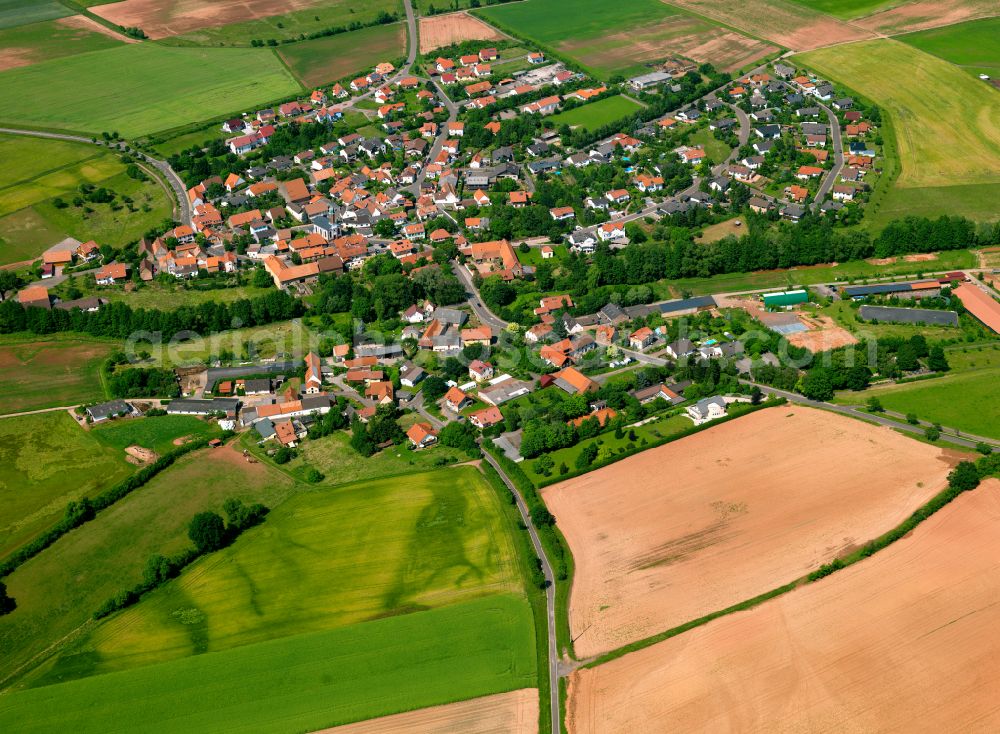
(846, 8)
(47, 460)
(715, 232)
(288, 338)
(59, 589)
(610, 39)
(848, 272)
(154, 88)
(323, 560)
(966, 400)
(971, 45)
(303, 683)
(326, 14)
(166, 294)
(28, 44)
(199, 137)
(24, 235)
(650, 433)
(160, 433)
(946, 123)
(597, 114)
(534, 255)
(845, 313)
(15, 13)
(48, 372)
(333, 456)
(325, 60)
(716, 150)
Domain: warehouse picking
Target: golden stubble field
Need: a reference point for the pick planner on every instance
(692, 527)
(907, 640)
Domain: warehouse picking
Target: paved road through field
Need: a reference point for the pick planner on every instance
(838, 159)
(550, 593)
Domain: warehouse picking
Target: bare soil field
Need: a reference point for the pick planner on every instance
(694, 526)
(83, 23)
(824, 334)
(790, 25)
(515, 712)
(924, 14)
(162, 18)
(138, 455)
(907, 640)
(438, 31)
(728, 51)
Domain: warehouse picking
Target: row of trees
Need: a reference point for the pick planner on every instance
(119, 320)
(208, 532)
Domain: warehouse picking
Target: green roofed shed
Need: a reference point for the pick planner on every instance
(785, 298)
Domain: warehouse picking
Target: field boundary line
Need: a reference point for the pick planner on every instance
(86, 12)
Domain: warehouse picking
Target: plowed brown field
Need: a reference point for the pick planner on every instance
(692, 527)
(905, 641)
(515, 712)
(438, 31)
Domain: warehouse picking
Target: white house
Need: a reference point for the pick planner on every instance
(707, 409)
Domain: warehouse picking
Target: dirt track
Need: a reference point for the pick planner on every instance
(702, 523)
(908, 640)
(505, 713)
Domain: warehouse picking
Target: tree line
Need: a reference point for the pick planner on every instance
(208, 532)
(119, 320)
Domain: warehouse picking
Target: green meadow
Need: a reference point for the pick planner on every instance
(965, 400)
(846, 8)
(47, 460)
(974, 45)
(333, 456)
(160, 434)
(46, 373)
(325, 60)
(301, 683)
(42, 170)
(597, 114)
(946, 123)
(324, 559)
(153, 88)
(15, 13)
(52, 39)
(58, 590)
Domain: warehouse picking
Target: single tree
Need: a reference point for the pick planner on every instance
(207, 531)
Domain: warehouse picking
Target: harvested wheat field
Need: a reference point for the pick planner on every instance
(789, 24)
(162, 18)
(515, 712)
(694, 526)
(439, 31)
(924, 14)
(907, 640)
